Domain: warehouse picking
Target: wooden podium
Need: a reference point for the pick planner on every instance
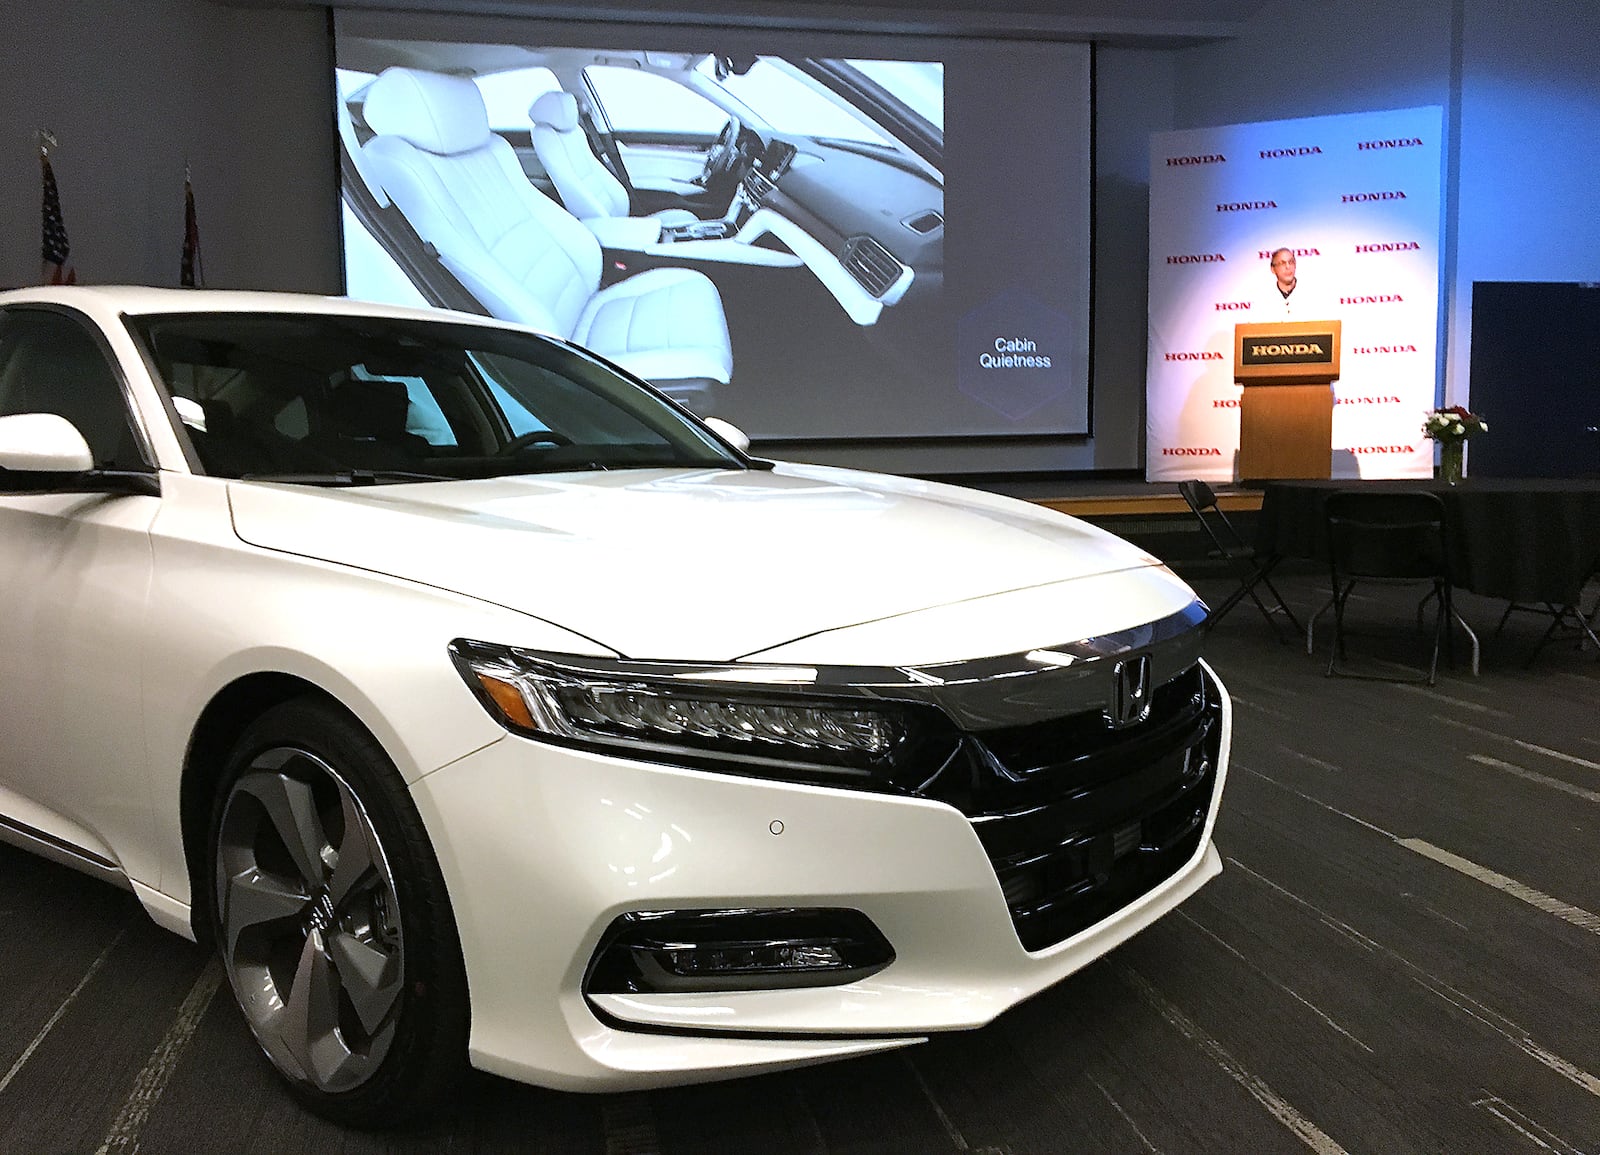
(1287, 369)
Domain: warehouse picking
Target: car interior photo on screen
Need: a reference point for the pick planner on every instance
(694, 217)
(483, 707)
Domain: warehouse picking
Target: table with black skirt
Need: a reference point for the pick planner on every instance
(1522, 539)
(1527, 540)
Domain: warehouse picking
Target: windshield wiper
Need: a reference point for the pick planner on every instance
(346, 477)
(609, 465)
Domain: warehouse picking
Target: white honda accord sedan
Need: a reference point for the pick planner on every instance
(482, 706)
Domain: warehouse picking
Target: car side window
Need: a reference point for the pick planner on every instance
(49, 363)
(643, 102)
(507, 95)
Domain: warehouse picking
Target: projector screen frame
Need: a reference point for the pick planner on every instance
(1072, 417)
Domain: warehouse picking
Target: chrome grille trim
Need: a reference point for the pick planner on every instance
(980, 693)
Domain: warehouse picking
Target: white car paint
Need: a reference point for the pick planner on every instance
(128, 613)
(751, 559)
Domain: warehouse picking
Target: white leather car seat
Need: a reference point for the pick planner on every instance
(587, 187)
(522, 256)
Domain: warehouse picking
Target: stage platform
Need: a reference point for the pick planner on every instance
(1152, 515)
(1108, 496)
(1165, 500)
(1111, 495)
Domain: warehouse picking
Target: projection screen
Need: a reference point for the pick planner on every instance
(816, 236)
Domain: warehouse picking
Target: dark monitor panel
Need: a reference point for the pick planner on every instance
(1536, 378)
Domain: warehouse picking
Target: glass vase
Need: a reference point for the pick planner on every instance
(1452, 455)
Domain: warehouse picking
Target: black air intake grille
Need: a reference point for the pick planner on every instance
(1079, 819)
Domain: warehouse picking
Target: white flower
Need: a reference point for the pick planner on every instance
(1483, 427)
(1460, 429)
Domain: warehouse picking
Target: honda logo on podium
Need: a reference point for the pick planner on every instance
(1130, 692)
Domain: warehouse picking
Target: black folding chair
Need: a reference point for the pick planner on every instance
(1228, 545)
(1567, 619)
(1398, 537)
(1591, 618)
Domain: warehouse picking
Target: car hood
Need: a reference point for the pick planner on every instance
(698, 565)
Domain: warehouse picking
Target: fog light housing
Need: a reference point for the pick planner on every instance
(661, 951)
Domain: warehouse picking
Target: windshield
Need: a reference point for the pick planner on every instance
(327, 399)
(917, 84)
(790, 102)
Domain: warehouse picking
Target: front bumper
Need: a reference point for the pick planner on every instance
(543, 847)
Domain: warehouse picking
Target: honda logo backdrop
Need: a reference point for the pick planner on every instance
(1355, 199)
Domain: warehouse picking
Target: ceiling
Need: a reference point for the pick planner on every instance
(1160, 23)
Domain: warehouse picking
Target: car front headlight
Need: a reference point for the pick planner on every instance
(775, 721)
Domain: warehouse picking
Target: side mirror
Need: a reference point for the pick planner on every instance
(45, 453)
(729, 432)
(42, 443)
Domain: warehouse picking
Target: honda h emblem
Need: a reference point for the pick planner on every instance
(1130, 692)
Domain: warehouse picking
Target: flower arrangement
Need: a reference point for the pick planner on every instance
(1453, 425)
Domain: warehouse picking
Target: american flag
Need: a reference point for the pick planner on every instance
(54, 247)
(191, 271)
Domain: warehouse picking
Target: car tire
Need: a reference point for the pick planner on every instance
(331, 917)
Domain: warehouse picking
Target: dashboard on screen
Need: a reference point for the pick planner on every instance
(818, 237)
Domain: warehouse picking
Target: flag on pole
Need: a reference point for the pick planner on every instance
(192, 271)
(53, 248)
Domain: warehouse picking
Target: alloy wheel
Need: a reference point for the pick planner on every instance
(309, 920)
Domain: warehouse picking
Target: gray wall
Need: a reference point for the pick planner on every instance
(1528, 207)
(1134, 97)
(1300, 59)
(242, 94)
(132, 92)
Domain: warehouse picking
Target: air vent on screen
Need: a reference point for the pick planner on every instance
(924, 222)
(872, 265)
(757, 186)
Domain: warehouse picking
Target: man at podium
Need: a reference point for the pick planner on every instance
(1286, 356)
(1288, 297)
